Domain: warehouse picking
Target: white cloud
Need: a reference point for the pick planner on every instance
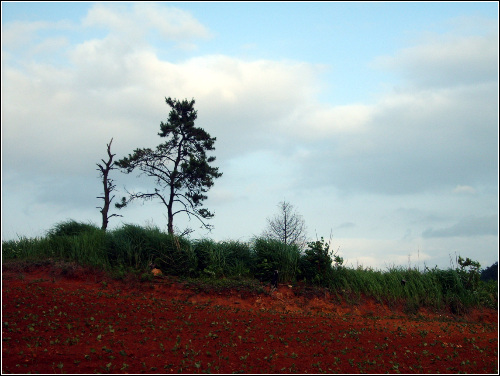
(136, 21)
(470, 226)
(447, 60)
(275, 137)
(373, 252)
(19, 34)
(116, 17)
(313, 121)
(464, 189)
(423, 135)
(170, 22)
(115, 89)
(112, 88)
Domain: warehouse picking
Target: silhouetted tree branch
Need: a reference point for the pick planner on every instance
(109, 187)
(180, 166)
(287, 226)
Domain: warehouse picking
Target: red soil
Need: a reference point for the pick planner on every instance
(83, 322)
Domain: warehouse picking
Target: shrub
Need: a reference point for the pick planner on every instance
(317, 263)
(269, 255)
(176, 256)
(135, 246)
(490, 273)
(239, 258)
(130, 245)
(71, 228)
(203, 249)
(469, 273)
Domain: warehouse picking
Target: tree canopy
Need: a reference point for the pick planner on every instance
(490, 273)
(180, 166)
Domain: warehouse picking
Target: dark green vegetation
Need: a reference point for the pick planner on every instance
(180, 166)
(131, 248)
(490, 273)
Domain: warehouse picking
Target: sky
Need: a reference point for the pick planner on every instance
(377, 121)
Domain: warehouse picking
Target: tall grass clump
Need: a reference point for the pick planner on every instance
(87, 248)
(69, 241)
(132, 246)
(270, 254)
(221, 259)
(70, 228)
(240, 260)
(27, 249)
(461, 288)
(356, 282)
(79, 242)
(136, 247)
(207, 257)
(457, 288)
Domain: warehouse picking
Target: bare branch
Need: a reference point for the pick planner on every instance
(108, 186)
(287, 226)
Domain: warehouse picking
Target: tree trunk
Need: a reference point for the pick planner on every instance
(170, 226)
(105, 207)
(170, 211)
(105, 168)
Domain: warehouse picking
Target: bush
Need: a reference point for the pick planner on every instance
(317, 263)
(203, 250)
(269, 255)
(469, 273)
(130, 245)
(490, 273)
(26, 248)
(227, 258)
(176, 256)
(137, 247)
(71, 228)
(126, 252)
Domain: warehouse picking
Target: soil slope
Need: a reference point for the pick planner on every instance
(74, 320)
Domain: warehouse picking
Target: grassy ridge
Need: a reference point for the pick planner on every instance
(133, 247)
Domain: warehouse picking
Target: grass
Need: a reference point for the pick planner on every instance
(131, 248)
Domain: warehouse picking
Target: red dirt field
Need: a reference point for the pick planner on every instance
(84, 322)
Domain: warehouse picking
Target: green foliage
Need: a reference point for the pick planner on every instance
(146, 277)
(27, 248)
(490, 273)
(80, 242)
(203, 250)
(317, 263)
(212, 260)
(240, 259)
(131, 248)
(71, 228)
(222, 258)
(487, 294)
(270, 254)
(72, 241)
(469, 272)
(180, 166)
(176, 257)
(135, 246)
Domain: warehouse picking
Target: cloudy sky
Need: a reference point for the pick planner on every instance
(377, 121)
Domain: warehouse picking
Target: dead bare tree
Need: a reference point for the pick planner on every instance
(287, 226)
(109, 187)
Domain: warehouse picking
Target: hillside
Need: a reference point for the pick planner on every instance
(71, 319)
